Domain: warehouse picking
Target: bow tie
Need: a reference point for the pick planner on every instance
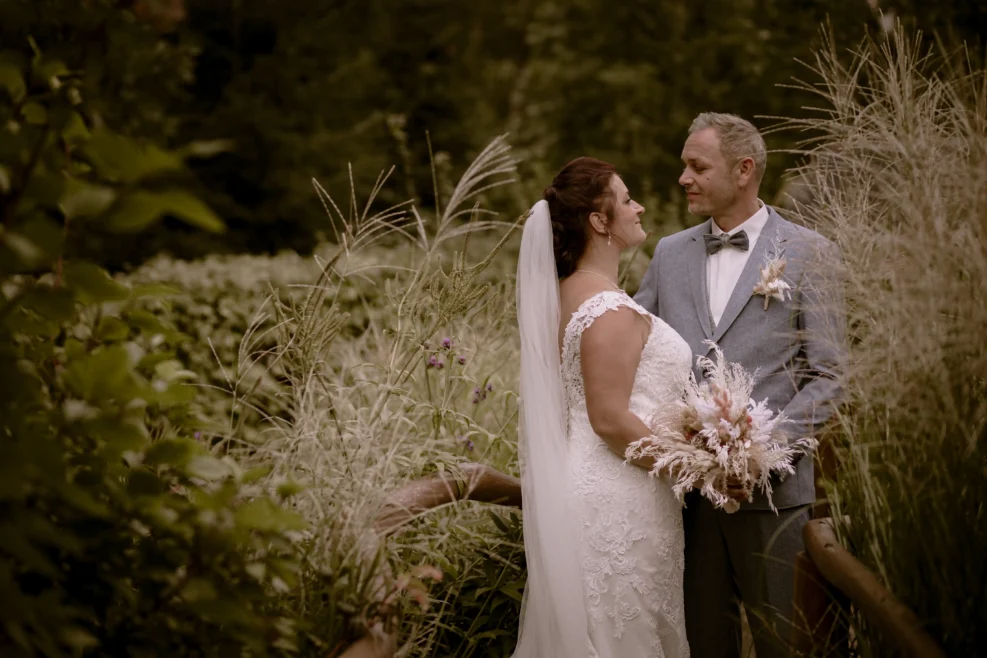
(716, 242)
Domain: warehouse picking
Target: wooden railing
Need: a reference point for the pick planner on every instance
(828, 580)
(468, 481)
(464, 482)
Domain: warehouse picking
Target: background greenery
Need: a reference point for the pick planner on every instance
(211, 375)
(309, 89)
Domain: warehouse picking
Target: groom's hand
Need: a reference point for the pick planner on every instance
(737, 490)
(740, 488)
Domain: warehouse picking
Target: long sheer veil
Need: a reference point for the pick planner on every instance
(553, 613)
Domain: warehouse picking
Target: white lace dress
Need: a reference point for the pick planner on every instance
(632, 541)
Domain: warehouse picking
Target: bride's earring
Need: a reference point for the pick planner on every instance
(608, 238)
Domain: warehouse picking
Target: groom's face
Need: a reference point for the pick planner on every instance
(708, 178)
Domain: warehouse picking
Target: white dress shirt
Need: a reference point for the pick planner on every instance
(724, 267)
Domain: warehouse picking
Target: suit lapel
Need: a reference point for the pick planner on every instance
(697, 278)
(763, 249)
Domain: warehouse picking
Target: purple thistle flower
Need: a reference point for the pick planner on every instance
(433, 362)
(462, 360)
(446, 343)
(440, 364)
(198, 435)
(476, 400)
(490, 387)
(476, 392)
(470, 445)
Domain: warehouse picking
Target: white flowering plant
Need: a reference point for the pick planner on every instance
(716, 433)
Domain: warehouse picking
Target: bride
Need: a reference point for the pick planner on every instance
(603, 539)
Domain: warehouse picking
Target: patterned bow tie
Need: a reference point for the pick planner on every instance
(716, 242)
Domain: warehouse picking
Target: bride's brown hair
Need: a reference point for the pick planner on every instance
(581, 188)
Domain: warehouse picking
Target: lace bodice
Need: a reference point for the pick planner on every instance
(632, 543)
(666, 360)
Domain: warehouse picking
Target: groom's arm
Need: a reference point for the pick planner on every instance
(647, 294)
(822, 330)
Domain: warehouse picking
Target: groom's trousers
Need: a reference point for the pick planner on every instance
(747, 556)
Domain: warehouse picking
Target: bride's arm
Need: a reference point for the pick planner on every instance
(610, 353)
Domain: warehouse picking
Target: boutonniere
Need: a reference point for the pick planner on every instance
(771, 283)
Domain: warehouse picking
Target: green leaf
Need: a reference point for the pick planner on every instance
(140, 209)
(148, 323)
(514, 590)
(45, 234)
(91, 284)
(12, 80)
(256, 473)
(74, 129)
(123, 159)
(289, 488)
(112, 329)
(263, 514)
(84, 200)
(142, 482)
(35, 114)
(78, 639)
(499, 522)
(198, 589)
(170, 452)
(154, 290)
(27, 253)
(102, 375)
(193, 211)
(257, 569)
(208, 468)
(119, 435)
(172, 370)
(54, 304)
(74, 348)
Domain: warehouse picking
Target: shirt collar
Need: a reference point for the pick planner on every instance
(753, 225)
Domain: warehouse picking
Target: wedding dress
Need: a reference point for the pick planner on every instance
(632, 542)
(603, 540)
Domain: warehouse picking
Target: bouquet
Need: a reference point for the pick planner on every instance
(715, 431)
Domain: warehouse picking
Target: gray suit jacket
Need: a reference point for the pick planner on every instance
(797, 346)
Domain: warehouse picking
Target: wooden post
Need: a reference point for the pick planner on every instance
(899, 626)
(818, 614)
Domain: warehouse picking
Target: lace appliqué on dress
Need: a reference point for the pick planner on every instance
(632, 542)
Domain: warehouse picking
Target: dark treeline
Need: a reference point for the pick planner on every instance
(303, 89)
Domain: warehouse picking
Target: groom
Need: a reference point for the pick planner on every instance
(701, 282)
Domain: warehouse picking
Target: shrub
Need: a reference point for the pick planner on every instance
(118, 536)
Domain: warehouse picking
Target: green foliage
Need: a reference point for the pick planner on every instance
(477, 605)
(118, 536)
(224, 330)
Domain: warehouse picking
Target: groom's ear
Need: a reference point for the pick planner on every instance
(745, 171)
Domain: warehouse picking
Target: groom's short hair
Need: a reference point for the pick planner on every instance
(738, 138)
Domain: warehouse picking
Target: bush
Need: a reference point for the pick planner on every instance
(220, 307)
(118, 536)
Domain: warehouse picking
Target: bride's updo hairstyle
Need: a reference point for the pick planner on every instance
(581, 188)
